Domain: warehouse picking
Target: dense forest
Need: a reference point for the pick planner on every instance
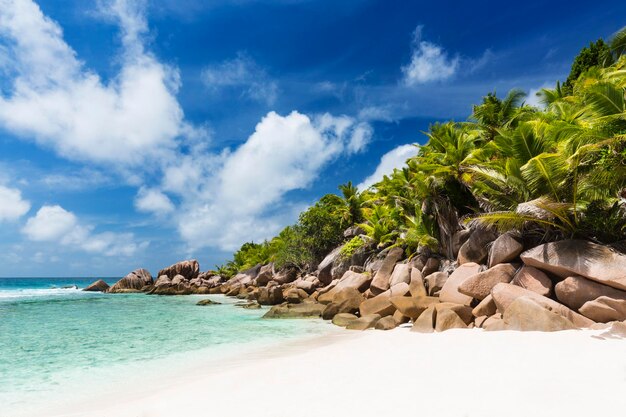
(554, 172)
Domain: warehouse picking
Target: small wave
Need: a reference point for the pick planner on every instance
(40, 292)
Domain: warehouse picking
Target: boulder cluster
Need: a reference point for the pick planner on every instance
(495, 283)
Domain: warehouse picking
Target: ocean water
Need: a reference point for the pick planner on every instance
(56, 339)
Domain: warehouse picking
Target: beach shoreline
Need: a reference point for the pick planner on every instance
(466, 372)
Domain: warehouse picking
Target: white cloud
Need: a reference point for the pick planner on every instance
(395, 158)
(242, 73)
(62, 105)
(429, 62)
(532, 99)
(244, 199)
(153, 201)
(54, 224)
(12, 205)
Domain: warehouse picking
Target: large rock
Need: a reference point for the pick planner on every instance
(479, 285)
(604, 309)
(380, 283)
(136, 281)
(505, 294)
(463, 311)
(324, 269)
(458, 239)
(381, 304)
(580, 257)
(412, 307)
(534, 280)
(435, 282)
(343, 319)
(447, 319)
(270, 295)
(576, 291)
(525, 314)
(386, 323)
(426, 321)
(364, 322)
(285, 276)
(354, 280)
(295, 311)
(401, 273)
(98, 286)
(504, 249)
(487, 307)
(450, 290)
(265, 275)
(475, 248)
(431, 266)
(346, 300)
(189, 269)
(416, 286)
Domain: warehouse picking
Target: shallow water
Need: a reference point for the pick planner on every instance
(55, 340)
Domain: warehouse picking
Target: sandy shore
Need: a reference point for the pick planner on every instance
(456, 373)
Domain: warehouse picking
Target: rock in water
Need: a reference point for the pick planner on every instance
(98, 286)
(136, 281)
(579, 257)
(525, 314)
(295, 311)
(344, 319)
(207, 302)
(189, 269)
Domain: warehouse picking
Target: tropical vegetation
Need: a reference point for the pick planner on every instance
(550, 172)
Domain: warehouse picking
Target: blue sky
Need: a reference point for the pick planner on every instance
(138, 133)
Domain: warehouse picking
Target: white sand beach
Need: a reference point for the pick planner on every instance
(456, 373)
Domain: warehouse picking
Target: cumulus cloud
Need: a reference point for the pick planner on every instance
(153, 201)
(533, 99)
(57, 101)
(429, 62)
(12, 205)
(244, 200)
(244, 74)
(57, 225)
(395, 158)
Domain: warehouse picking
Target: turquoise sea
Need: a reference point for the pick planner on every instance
(56, 339)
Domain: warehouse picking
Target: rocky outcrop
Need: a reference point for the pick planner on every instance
(265, 275)
(137, 281)
(435, 282)
(380, 283)
(412, 307)
(426, 321)
(359, 282)
(386, 323)
(343, 319)
(324, 269)
(381, 304)
(479, 286)
(270, 295)
(604, 309)
(505, 294)
(576, 291)
(450, 290)
(346, 300)
(401, 273)
(447, 319)
(487, 307)
(295, 311)
(534, 280)
(525, 314)
(475, 248)
(416, 285)
(207, 302)
(505, 248)
(579, 257)
(97, 286)
(364, 322)
(189, 269)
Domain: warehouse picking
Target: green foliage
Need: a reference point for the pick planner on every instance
(597, 54)
(350, 247)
